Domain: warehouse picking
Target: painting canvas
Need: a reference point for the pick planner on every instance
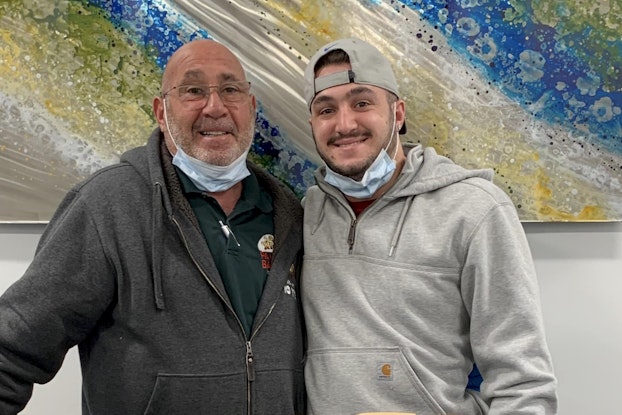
(529, 88)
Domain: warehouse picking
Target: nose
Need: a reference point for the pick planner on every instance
(214, 107)
(346, 120)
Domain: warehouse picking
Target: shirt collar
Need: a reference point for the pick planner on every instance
(253, 196)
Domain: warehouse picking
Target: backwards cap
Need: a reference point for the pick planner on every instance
(369, 67)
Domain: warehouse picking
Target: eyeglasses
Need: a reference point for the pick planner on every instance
(196, 96)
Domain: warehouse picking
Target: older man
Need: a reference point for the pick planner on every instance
(175, 271)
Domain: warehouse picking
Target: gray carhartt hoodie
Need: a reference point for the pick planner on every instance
(400, 301)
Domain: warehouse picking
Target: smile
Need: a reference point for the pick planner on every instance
(348, 142)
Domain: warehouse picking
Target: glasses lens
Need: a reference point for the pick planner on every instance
(195, 96)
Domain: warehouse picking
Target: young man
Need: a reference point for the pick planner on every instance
(414, 268)
(175, 271)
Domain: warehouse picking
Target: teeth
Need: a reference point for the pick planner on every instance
(213, 133)
(349, 144)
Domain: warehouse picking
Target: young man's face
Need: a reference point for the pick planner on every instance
(352, 123)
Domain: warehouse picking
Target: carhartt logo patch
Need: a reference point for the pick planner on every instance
(384, 371)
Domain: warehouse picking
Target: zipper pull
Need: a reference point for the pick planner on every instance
(351, 234)
(250, 362)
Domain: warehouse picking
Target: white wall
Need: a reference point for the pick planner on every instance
(580, 270)
(62, 394)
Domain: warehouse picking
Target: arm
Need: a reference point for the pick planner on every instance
(501, 292)
(54, 305)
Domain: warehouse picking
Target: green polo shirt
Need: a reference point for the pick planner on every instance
(244, 267)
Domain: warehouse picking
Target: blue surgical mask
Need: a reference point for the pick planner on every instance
(377, 175)
(209, 177)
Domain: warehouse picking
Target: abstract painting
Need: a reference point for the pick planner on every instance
(529, 88)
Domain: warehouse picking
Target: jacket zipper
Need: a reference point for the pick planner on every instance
(250, 374)
(250, 357)
(249, 363)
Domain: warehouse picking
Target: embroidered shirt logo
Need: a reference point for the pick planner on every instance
(384, 371)
(266, 246)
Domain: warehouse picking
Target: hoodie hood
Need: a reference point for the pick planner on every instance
(146, 164)
(424, 172)
(431, 172)
(154, 165)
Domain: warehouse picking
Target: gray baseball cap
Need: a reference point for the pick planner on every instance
(369, 67)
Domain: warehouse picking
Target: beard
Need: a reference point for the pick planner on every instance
(184, 137)
(357, 171)
(354, 171)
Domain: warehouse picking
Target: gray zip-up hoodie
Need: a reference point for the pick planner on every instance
(124, 272)
(400, 302)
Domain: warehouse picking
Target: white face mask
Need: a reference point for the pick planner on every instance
(377, 175)
(209, 177)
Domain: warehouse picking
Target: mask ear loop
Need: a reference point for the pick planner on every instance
(392, 132)
(167, 126)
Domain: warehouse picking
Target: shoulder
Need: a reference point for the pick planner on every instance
(313, 197)
(486, 189)
(113, 189)
(116, 178)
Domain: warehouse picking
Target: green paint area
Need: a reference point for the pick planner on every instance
(67, 57)
(591, 29)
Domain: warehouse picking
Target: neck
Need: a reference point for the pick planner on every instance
(227, 199)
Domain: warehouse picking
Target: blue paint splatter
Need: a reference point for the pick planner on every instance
(531, 63)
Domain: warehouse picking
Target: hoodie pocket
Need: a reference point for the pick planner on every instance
(347, 380)
(198, 394)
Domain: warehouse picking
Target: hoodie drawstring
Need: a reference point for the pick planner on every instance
(156, 246)
(320, 216)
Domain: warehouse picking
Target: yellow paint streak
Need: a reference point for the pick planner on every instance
(541, 190)
(589, 213)
(543, 194)
(321, 14)
(102, 96)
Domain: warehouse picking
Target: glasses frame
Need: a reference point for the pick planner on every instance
(243, 86)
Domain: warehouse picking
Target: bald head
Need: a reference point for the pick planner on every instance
(193, 54)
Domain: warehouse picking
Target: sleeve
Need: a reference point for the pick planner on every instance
(501, 293)
(54, 305)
